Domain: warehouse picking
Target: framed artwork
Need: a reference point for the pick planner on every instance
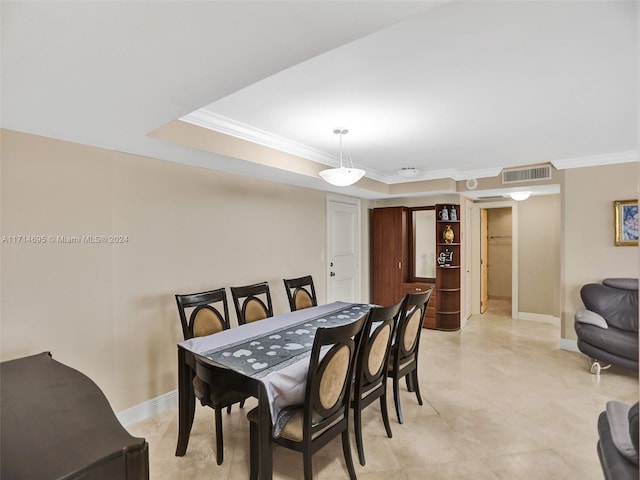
(626, 214)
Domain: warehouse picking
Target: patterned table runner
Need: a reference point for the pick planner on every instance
(258, 356)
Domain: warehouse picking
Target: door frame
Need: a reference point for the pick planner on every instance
(475, 271)
(335, 198)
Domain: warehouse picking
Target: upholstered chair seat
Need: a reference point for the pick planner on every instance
(209, 396)
(370, 380)
(208, 315)
(403, 359)
(293, 429)
(324, 413)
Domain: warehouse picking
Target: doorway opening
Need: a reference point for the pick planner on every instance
(480, 285)
(496, 260)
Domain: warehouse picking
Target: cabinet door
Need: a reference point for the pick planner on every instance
(389, 256)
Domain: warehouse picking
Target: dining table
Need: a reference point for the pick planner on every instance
(267, 359)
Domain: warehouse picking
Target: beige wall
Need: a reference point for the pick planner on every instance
(588, 250)
(109, 310)
(539, 255)
(499, 252)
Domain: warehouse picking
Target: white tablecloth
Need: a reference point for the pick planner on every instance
(285, 386)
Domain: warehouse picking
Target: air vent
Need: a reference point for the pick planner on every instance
(527, 174)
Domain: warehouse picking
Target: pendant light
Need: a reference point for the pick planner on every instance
(344, 175)
(519, 196)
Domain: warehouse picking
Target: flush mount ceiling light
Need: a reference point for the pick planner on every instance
(519, 196)
(345, 175)
(408, 172)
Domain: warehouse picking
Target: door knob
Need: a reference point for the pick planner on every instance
(332, 274)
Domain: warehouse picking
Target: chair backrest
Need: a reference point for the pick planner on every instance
(373, 354)
(615, 299)
(300, 292)
(407, 336)
(208, 313)
(329, 379)
(252, 302)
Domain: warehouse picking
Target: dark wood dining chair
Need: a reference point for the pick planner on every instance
(300, 292)
(252, 302)
(208, 314)
(324, 414)
(403, 360)
(370, 381)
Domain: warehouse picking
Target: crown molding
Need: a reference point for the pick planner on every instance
(218, 123)
(212, 121)
(596, 160)
(227, 126)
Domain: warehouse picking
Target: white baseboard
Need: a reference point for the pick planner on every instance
(569, 344)
(538, 317)
(148, 409)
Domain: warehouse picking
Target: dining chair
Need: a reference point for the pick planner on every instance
(403, 359)
(324, 414)
(370, 380)
(252, 302)
(300, 292)
(208, 314)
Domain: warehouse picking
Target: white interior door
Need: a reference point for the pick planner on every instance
(343, 249)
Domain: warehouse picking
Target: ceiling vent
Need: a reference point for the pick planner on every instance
(526, 174)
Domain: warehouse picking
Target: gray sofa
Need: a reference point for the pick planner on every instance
(618, 441)
(607, 329)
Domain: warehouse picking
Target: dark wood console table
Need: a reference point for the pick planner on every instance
(57, 424)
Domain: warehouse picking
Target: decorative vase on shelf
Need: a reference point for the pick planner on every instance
(454, 214)
(448, 234)
(443, 214)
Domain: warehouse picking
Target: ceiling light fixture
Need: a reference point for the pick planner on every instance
(408, 172)
(519, 196)
(344, 175)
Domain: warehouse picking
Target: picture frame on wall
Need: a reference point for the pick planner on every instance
(626, 222)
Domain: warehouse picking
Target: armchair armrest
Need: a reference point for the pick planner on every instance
(592, 318)
(620, 426)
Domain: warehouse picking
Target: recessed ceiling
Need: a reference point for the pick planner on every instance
(454, 89)
(460, 91)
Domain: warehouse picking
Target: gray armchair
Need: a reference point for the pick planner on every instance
(607, 329)
(618, 441)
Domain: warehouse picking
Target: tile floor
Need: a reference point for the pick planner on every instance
(502, 402)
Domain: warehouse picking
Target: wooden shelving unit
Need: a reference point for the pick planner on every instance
(391, 257)
(447, 311)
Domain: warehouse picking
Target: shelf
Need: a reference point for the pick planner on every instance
(453, 328)
(447, 305)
